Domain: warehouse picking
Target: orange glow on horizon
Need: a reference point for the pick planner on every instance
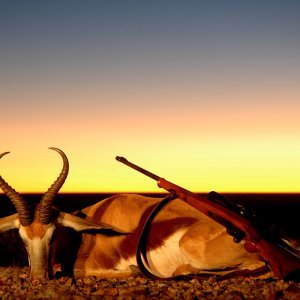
(199, 167)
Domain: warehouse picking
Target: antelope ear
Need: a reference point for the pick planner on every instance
(10, 222)
(80, 224)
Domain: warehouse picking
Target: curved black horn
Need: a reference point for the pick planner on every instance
(48, 198)
(17, 200)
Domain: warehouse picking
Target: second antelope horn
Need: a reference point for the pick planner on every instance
(48, 198)
(17, 200)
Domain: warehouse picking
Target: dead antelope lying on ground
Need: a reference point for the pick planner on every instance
(181, 240)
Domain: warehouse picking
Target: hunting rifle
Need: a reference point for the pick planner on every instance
(284, 263)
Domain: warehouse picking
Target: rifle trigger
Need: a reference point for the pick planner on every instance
(237, 240)
(236, 233)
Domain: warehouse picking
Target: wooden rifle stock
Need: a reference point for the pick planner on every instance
(281, 261)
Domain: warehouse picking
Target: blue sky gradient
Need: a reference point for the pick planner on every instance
(212, 85)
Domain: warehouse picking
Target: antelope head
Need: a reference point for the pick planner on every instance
(37, 228)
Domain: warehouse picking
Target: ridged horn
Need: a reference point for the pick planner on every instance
(17, 200)
(46, 203)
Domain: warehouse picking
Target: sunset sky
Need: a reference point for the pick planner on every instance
(204, 93)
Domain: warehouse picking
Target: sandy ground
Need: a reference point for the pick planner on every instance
(15, 284)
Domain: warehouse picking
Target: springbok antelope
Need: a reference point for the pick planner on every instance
(37, 228)
(181, 239)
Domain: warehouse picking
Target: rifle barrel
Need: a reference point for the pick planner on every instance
(137, 168)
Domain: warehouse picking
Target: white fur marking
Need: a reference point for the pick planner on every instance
(163, 260)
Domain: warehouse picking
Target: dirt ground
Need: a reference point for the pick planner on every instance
(15, 284)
